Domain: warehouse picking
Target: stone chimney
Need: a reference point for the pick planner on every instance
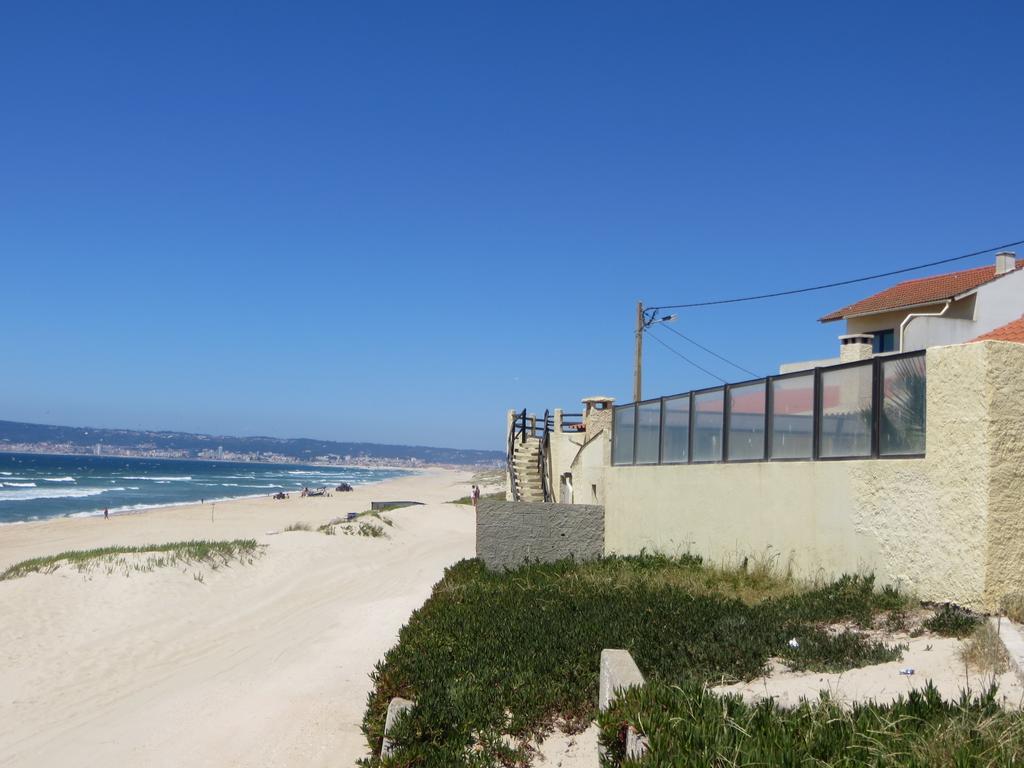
(855, 346)
(1006, 261)
(597, 414)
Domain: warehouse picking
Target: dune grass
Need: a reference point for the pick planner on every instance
(469, 499)
(213, 553)
(297, 527)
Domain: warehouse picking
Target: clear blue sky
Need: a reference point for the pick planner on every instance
(393, 221)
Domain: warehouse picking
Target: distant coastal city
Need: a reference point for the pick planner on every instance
(216, 454)
(20, 437)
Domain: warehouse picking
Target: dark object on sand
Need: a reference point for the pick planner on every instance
(344, 487)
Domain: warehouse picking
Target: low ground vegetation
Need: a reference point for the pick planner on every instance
(469, 499)
(985, 652)
(214, 554)
(689, 725)
(526, 645)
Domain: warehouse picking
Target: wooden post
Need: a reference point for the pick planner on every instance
(638, 357)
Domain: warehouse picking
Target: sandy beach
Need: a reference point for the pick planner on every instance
(262, 664)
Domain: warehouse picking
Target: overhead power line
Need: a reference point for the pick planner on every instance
(840, 282)
(675, 351)
(710, 351)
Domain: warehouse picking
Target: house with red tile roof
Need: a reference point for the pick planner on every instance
(930, 311)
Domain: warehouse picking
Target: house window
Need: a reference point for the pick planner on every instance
(883, 341)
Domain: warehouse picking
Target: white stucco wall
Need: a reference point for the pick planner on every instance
(949, 526)
(995, 304)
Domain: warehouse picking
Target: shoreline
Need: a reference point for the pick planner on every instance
(144, 508)
(259, 663)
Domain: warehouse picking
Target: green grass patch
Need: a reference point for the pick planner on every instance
(298, 527)
(214, 553)
(515, 653)
(690, 725)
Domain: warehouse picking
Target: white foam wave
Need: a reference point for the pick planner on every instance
(236, 485)
(54, 493)
(6, 473)
(157, 478)
(17, 485)
(58, 479)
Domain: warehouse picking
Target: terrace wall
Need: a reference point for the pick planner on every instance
(946, 526)
(510, 533)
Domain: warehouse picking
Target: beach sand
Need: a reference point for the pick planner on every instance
(255, 665)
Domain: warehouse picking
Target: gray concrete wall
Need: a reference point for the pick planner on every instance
(509, 533)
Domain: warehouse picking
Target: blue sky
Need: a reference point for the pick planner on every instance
(394, 221)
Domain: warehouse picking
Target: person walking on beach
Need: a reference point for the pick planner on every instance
(476, 495)
(106, 514)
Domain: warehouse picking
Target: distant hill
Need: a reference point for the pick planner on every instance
(16, 435)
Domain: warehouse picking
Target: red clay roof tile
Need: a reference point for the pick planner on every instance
(1012, 331)
(923, 290)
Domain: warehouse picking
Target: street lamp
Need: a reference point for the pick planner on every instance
(643, 322)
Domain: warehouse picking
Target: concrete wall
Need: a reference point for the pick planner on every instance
(588, 468)
(509, 533)
(949, 526)
(563, 447)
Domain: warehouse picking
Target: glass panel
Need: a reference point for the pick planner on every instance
(746, 422)
(846, 411)
(707, 426)
(622, 435)
(675, 434)
(793, 417)
(903, 406)
(648, 436)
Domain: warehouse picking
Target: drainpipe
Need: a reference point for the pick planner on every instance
(912, 315)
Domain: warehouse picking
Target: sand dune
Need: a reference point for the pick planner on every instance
(256, 665)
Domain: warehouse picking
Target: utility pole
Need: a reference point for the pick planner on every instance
(639, 355)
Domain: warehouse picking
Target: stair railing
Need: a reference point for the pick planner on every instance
(515, 430)
(545, 456)
(522, 428)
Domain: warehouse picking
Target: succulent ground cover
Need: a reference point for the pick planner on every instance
(689, 725)
(494, 659)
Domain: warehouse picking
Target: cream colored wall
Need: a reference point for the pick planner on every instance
(563, 447)
(1005, 561)
(589, 469)
(947, 527)
(886, 320)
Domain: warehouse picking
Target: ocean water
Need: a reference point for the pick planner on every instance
(37, 487)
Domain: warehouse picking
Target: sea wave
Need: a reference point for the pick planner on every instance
(54, 493)
(6, 484)
(157, 478)
(236, 485)
(67, 479)
(131, 508)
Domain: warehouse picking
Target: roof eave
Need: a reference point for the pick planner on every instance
(828, 319)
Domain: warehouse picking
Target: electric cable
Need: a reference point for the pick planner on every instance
(838, 283)
(680, 354)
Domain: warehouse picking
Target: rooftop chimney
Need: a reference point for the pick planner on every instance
(1006, 261)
